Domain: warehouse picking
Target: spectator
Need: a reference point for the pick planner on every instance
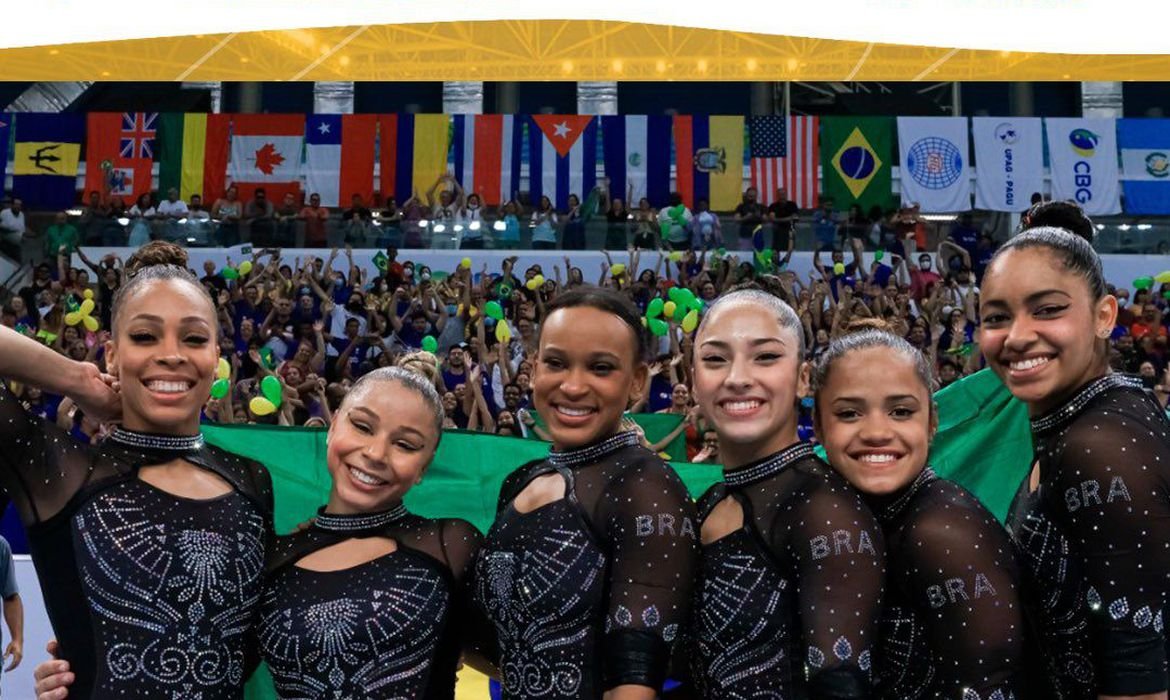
(287, 217)
(470, 218)
(509, 227)
(675, 223)
(544, 225)
(315, 217)
(707, 229)
(617, 220)
(825, 225)
(748, 214)
(390, 223)
(61, 237)
(173, 212)
(13, 608)
(12, 228)
(142, 216)
(259, 218)
(645, 220)
(94, 218)
(783, 213)
(228, 211)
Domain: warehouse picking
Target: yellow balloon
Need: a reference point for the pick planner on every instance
(531, 284)
(668, 309)
(245, 267)
(618, 270)
(503, 333)
(73, 318)
(86, 307)
(1163, 277)
(690, 321)
(261, 406)
(465, 263)
(88, 294)
(539, 279)
(223, 370)
(91, 323)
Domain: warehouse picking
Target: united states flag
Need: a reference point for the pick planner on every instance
(138, 132)
(786, 152)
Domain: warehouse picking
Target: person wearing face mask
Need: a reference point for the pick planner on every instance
(470, 217)
(952, 625)
(922, 277)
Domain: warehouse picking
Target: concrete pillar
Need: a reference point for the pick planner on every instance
(1022, 99)
(333, 97)
(251, 97)
(597, 97)
(1101, 100)
(463, 97)
(507, 97)
(763, 99)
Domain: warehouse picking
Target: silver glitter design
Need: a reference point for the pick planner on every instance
(588, 455)
(358, 523)
(157, 443)
(769, 467)
(1076, 404)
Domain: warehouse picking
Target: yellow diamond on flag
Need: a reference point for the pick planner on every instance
(856, 162)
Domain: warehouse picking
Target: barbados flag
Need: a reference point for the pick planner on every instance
(709, 160)
(856, 158)
(45, 164)
(1145, 165)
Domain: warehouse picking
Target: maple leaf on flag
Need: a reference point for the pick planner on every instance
(267, 158)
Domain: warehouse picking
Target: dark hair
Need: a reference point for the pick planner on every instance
(609, 301)
(155, 261)
(1064, 214)
(1074, 252)
(871, 336)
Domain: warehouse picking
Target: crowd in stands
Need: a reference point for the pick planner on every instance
(317, 324)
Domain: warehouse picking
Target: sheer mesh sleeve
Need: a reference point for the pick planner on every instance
(648, 524)
(1114, 502)
(957, 568)
(839, 557)
(471, 631)
(41, 467)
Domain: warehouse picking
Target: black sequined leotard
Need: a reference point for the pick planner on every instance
(788, 605)
(952, 624)
(588, 592)
(1096, 538)
(151, 595)
(389, 628)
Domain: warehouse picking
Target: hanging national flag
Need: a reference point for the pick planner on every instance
(487, 155)
(936, 163)
(413, 151)
(785, 153)
(138, 133)
(266, 152)
(339, 157)
(1082, 156)
(709, 160)
(1145, 165)
(108, 169)
(193, 154)
(562, 157)
(856, 153)
(45, 164)
(5, 133)
(637, 157)
(1010, 154)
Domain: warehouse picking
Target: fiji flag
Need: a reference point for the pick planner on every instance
(1145, 165)
(637, 157)
(47, 153)
(562, 157)
(487, 155)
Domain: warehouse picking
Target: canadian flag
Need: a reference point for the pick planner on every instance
(266, 152)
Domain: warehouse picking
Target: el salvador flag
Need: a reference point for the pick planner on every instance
(1145, 165)
(637, 157)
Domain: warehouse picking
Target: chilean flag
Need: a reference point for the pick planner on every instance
(266, 152)
(637, 157)
(487, 155)
(562, 157)
(339, 157)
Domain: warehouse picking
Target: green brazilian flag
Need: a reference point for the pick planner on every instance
(857, 154)
(983, 443)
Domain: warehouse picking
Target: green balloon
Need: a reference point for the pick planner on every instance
(1143, 283)
(673, 293)
(680, 311)
(219, 388)
(659, 327)
(879, 254)
(230, 273)
(654, 310)
(686, 297)
(430, 344)
(270, 387)
(493, 309)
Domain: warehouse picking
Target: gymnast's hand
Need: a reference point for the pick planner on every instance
(98, 394)
(53, 677)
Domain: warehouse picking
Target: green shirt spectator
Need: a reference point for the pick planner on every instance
(61, 233)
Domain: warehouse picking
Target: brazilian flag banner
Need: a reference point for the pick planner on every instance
(857, 156)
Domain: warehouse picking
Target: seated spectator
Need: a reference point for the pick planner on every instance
(259, 218)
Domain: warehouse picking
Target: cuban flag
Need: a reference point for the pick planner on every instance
(487, 155)
(1145, 165)
(637, 157)
(562, 157)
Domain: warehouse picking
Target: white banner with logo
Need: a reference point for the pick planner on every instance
(1082, 154)
(936, 163)
(1009, 159)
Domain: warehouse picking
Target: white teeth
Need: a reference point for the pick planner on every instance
(878, 458)
(365, 478)
(1021, 365)
(169, 387)
(737, 406)
(576, 412)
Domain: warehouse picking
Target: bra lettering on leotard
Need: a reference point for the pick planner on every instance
(1089, 494)
(954, 590)
(841, 542)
